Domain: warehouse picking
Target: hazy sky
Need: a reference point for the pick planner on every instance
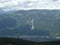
(29, 4)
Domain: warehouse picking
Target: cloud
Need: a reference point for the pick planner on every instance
(29, 4)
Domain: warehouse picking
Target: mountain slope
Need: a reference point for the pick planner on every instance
(45, 22)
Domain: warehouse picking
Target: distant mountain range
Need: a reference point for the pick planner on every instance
(30, 22)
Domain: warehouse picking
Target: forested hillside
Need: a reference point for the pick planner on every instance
(45, 23)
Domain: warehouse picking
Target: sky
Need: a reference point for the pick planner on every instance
(29, 4)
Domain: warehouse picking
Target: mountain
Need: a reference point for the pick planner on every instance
(30, 22)
(1, 11)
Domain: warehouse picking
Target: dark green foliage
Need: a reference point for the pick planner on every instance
(16, 41)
